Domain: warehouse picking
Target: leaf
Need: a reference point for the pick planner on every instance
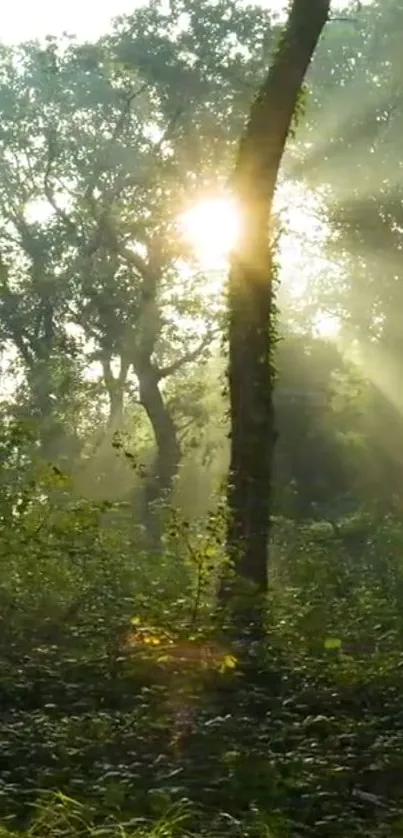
(164, 659)
(332, 643)
(228, 662)
(135, 621)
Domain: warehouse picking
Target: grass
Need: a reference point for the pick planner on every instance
(59, 816)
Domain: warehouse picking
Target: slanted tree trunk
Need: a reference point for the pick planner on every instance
(251, 333)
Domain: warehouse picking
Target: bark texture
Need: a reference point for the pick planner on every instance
(251, 334)
(159, 483)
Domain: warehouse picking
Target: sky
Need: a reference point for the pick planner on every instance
(27, 19)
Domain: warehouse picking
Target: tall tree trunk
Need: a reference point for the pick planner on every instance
(160, 480)
(251, 335)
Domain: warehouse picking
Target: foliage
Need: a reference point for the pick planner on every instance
(125, 707)
(101, 300)
(128, 707)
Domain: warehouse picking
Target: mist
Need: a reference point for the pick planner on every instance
(127, 705)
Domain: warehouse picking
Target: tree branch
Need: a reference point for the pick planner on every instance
(52, 156)
(117, 130)
(168, 131)
(187, 358)
(347, 18)
(343, 20)
(133, 259)
(9, 303)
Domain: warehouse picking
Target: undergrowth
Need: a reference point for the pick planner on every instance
(127, 715)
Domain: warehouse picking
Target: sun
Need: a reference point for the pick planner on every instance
(212, 227)
(327, 326)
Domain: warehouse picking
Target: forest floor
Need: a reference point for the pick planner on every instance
(99, 745)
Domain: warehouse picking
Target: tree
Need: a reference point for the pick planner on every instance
(111, 140)
(251, 284)
(319, 405)
(356, 158)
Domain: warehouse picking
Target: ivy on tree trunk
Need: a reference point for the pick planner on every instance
(251, 279)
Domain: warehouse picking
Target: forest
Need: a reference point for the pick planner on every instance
(201, 439)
